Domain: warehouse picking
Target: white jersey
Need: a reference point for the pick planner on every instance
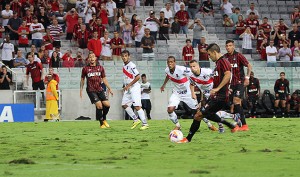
(130, 72)
(180, 79)
(145, 96)
(204, 81)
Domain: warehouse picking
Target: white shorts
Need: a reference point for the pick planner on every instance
(186, 98)
(132, 96)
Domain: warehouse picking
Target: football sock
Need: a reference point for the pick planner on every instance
(105, 111)
(131, 113)
(224, 114)
(207, 122)
(193, 129)
(142, 116)
(238, 109)
(173, 117)
(216, 118)
(148, 113)
(220, 125)
(99, 115)
(275, 110)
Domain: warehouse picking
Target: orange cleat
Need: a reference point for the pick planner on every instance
(235, 129)
(213, 128)
(244, 128)
(184, 140)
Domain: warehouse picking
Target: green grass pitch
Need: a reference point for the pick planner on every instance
(271, 148)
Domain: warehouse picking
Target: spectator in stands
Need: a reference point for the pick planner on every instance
(252, 23)
(20, 61)
(177, 5)
(295, 16)
(36, 71)
(188, 52)
(139, 32)
(5, 79)
(120, 19)
(29, 17)
(282, 39)
(296, 54)
(36, 29)
(48, 40)
(207, 8)
(130, 6)
(252, 6)
(227, 22)
(103, 16)
(285, 55)
(271, 54)
(112, 12)
(43, 18)
(282, 93)
(247, 41)
(89, 10)
(275, 35)
(13, 25)
(197, 27)
(23, 32)
(282, 26)
(192, 8)
(93, 22)
(226, 7)
(127, 33)
(95, 45)
(2, 29)
(79, 62)
(116, 44)
(235, 17)
(80, 5)
(57, 50)
(133, 22)
(147, 43)
(59, 15)
(54, 76)
(6, 15)
(55, 60)
(83, 38)
(71, 19)
(183, 19)
(240, 26)
(56, 32)
(106, 48)
(68, 61)
(294, 35)
(8, 52)
(252, 94)
(175, 27)
(164, 26)
(54, 5)
(149, 2)
(266, 27)
(293, 103)
(16, 6)
(33, 53)
(43, 55)
(99, 27)
(263, 46)
(167, 11)
(203, 56)
(260, 37)
(152, 23)
(121, 4)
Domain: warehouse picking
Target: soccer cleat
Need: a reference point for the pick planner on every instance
(235, 129)
(244, 128)
(135, 123)
(213, 128)
(237, 119)
(254, 117)
(106, 124)
(177, 128)
(221, 130)
(184, 140)
(144, 127)
(103, 126)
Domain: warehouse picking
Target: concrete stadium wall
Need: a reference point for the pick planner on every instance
(6, 96)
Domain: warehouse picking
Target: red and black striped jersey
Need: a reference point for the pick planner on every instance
(253, 87)
(117, 41)
(94, 75)
(282, 86)
(35, 70)
(187, 53)
(222, 66)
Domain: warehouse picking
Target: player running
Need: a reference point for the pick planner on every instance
(181, 91)
(132, 92)
(239, 80)
(95, 74)
(219, 94)
(203, 79)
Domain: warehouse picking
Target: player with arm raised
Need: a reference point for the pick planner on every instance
(181, 91)
(95, 74)
(132, 92)
(219, 94)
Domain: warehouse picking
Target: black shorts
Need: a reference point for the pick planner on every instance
(97, 96)
(281, 96)
(69, 36)
(38, 85)
(237, 91)
(252, 98)
(213, 106)
(146, 104)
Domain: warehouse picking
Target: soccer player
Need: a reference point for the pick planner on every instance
(293, 103)
(95, 75)
(181, 91)
(203, 79)
(132, 92)
(219, 93)
(282, 93)
(239, 80)
(252, 94)
(146, 89)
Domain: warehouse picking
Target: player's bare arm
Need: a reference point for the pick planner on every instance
(107, 85)
(225, 80)
(192, 87)
(162, 88)
(81, 86)
(137, 78)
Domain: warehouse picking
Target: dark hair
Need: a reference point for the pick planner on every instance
(282, 73)
(281, 19)
(229, 41)
(237, 8)
(143, 75)
(225, 15)
(187, 40)
(162, 12)
(213, 47)
(193, 61)
(171, 56)
(125, 52)
(132, 21)
(252, 13)
(265, 17)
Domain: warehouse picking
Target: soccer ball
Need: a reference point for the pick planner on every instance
(175, 136)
